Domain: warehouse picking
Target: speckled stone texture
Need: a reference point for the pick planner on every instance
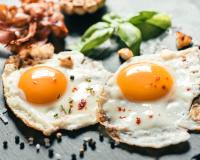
(185, 15)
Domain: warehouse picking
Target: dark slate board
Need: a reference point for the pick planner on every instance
(185, 16)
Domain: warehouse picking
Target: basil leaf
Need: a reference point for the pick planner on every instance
(151, 23)
(160, 20)
(130, 35)
(149, 31)
(97, 38)
(142, 17)
(93, 28)
(112, 18)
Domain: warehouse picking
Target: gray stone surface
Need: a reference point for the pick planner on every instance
(185, 15)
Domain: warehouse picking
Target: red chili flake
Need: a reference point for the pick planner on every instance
(122, 117)
(138, 120)
(74, 89)
(150, 116)
(157, 78)
(188, 89)
(121, 109)
(82, 104)
(163, 87)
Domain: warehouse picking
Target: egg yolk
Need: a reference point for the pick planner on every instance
(42, 84)
(144, 82)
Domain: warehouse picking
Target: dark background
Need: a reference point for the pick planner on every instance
(185, 17)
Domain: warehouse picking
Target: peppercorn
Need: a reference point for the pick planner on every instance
(5, 144)
(101, 138)
(73, 156)
(17, 139)
(112, 144)
(85, 145)
(72, 77)
(50, 153)
(22, 145)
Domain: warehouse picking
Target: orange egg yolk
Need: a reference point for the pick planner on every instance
(144, 82)
(42, 84)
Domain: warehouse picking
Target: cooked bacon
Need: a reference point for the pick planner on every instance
(32, 22)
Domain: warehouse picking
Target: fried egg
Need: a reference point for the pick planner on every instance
(50, 96)
(148, 101)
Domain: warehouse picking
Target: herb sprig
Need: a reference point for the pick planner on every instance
(131, 31)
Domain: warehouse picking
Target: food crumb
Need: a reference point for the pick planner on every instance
(59, 137)
(37, 147)
(58, 156)
(81, 152)
(46, 142)
(30, 141)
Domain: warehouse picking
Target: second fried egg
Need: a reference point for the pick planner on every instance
(148, 100)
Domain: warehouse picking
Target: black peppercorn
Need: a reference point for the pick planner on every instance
(22, 145)
(51, 153)
(5, 144)
(17, 139)
(101, 138)
(72, 78)
(112, 144)
(73, 156)
(85, 146)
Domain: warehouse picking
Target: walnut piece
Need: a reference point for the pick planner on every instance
(66, 62)
(125, 53)
(195, 112)
(183, 40)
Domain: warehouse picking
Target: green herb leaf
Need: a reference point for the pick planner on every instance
(151, 23)
(95, 39)
(112, 18)
(55, 115)
(130, 35)
(94, 28)
(160, 20)
(142, 17)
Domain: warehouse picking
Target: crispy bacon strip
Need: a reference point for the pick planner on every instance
(32, 22)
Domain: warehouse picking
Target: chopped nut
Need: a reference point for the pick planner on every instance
(195, 112)
(30, 140)
(183, 40)
(66, 62)
(125, 53)
(59, 136)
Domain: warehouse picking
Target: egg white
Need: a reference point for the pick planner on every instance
(162, 122)
(59, 115)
